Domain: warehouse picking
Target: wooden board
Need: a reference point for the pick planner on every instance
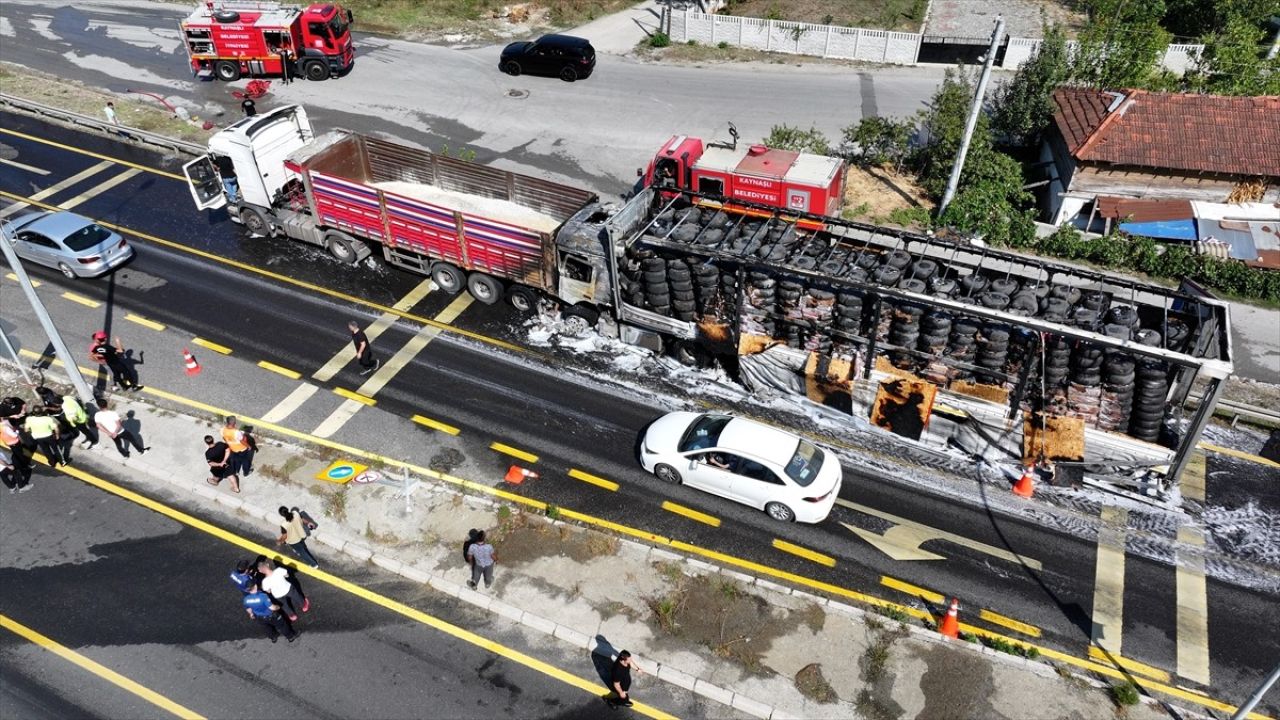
(1060, 438)
(903, 406)
(993, 393)
(752, 344)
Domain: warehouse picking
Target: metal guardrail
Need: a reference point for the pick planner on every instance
(35, 108)
(1242, 411)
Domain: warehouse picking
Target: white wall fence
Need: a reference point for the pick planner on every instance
(829, 41)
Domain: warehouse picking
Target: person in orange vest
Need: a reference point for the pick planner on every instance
(18, 475)
(234, 437)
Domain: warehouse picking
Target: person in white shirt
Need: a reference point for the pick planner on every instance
(276, 583)
(110, 424)
(110, 112)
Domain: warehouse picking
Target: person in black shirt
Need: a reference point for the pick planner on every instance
(227, 171)
(364, 351)
(104, 353)
(248, 106)
(218, 456)
(620, 680)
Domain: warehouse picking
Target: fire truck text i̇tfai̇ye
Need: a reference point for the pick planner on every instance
(231, 40)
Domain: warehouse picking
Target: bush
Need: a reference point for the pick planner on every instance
(659, 40)
(723, 44)
(1125, 693)
(786, 137)
(877, 142)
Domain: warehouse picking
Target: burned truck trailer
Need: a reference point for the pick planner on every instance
(1028, 358)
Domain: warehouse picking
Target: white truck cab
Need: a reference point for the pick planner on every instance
(255, 148)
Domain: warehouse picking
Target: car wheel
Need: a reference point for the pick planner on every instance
(779, 512)
(448, 278)
(522, 298)
(226, 70)
(340, 248)
(316, 71)
(568, 74)
(511, 67)
(667, 474)
(484, 288)
(65, 269)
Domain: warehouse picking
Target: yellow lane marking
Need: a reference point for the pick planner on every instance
(1108, 587)
(908, 588)
(280, 370)
(98, 189)
(804, 552)
(1192, 480)
(293, 401)
(596, 480)
(690, 513)
(87, 302)
(34, 282)
(1239, 454)
(436, 425)
(1014, 625)
(680, 546)
(285, 279)
(138, 319)
(395, 606)
(357, 397)
(98, 669)
(24, 166)
(100, 156)
(1104, 656)
(1193, 608)
(514, 452)
(51, 190)
(211, 345)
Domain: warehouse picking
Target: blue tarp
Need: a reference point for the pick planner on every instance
(1163, 229)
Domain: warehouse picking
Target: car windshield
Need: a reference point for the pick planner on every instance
(337, 26)
(86, 237)
(703, 433)
(805, 464)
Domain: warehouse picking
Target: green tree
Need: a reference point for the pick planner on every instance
(878, 141)
(1122, 43)
(786, 137)
(941, 127)
(1023, 106)
(1234, 60)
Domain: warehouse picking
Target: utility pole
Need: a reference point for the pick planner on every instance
(1256, 697)
(59, 347)
(972, 123)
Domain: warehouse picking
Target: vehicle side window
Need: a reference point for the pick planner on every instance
(722, 460)
(756, 471)
(320, 30)
(577, 269)
(711, 186)
(37, 239)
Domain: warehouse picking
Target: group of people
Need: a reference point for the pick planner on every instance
(271, 595)
(231, 457)
(51, 428)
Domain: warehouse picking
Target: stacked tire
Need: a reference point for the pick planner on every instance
(993, 349)
(680, 281)
(657, 290)
(1118, 372)
(963, 345)
(1150, 390)
(1057, 363)
(706, 287)
(1084, 393)
(759, 305)
(904, 332)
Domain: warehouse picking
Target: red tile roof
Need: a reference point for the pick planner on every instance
(1196, 133)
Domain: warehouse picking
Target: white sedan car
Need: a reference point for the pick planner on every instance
(771, 470)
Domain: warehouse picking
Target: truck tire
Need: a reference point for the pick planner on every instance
(226, 16)
(448, 278)
(578, 319)
(255, 221)
(484, 288)
(316, 70)
(522, 298)
(227, 70)
(341, 248)
(511, 67)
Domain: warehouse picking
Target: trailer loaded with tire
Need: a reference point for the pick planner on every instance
(1002, 335)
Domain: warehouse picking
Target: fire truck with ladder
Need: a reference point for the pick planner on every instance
(231, 40)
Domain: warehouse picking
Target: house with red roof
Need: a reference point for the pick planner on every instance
(1155, 161)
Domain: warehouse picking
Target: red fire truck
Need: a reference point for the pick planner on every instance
(231, 40)
(784, 179)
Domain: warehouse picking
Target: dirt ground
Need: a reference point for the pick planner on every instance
(875, 194)
(903, 15)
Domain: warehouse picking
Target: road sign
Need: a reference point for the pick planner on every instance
(341, 471)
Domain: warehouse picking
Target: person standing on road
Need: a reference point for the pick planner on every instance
(242, 578)
(218, 456)
(19, 454)
(364, 351)
(110, 424)
(482, 558)
(294, 533)
(258, 606)
(7, 474)
(248, 106)
(233, 436)
(44, 430)
(620, 680)
(105, 353)
(286, 594)
(78, 419)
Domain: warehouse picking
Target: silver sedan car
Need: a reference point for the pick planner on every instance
(74, 244)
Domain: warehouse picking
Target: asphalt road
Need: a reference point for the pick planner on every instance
(594, 132)
(547, 402)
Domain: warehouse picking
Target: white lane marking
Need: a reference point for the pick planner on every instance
(285, 407)
(1108, 588)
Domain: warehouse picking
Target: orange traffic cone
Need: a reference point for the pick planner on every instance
(517, 474)
(1026, 484)
(950, 626)
(193, 367)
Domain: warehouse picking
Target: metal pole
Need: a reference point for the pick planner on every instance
(1256, 697)
(972, 123)
(59, 347)
(1201, 418)
(14, 354)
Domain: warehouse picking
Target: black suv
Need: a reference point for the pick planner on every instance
(563, 56)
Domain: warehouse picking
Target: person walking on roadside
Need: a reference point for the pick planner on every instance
(364, 351)
(18, 454)
(233, 436)
(258, 605)
(110, 424)
(218, 456)
(44, 430)
(294, 533)
(283, 591)
(78, 419)
(112, 355)
(482, 559)
(620, 680)
(110, 112)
